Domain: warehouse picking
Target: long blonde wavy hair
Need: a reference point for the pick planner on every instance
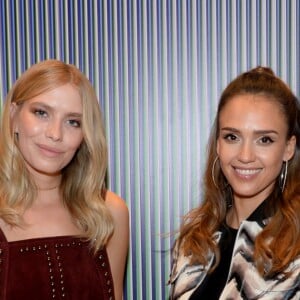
(83, 179)
(279, 242)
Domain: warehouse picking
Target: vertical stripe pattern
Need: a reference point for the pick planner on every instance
(158, 68)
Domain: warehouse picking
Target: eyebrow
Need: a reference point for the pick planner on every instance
(268, 131)
(75, 115)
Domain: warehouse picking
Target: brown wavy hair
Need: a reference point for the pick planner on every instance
(279, 242)
(83, 179)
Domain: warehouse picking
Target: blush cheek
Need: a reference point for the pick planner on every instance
(74, 142)
(30, 127)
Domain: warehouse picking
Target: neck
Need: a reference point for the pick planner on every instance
(44, 181)
(234, 217)
(48, 188)
(48, 197)
(47, 183)
(241, 209)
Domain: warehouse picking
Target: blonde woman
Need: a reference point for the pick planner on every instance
(62, 234)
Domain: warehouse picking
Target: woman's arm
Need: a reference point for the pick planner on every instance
(117, 246)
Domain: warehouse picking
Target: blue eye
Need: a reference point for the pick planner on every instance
(74, 123)
(40, 113)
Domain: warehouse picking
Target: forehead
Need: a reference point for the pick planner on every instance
(62, 98)
(253, 111)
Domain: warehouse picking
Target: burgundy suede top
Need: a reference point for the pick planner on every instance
(53, 268)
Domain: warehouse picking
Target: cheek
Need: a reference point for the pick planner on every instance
(272, 156)
(274, 165)
(225, 153)
(225, 160)
(75, 141)
(27, 126)
(29, 130)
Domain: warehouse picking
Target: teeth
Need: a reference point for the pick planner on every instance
(247, 172)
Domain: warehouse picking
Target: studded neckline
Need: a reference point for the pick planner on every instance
(39, 239)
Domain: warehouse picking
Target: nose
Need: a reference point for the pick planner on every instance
(246, 152)
(54, 130)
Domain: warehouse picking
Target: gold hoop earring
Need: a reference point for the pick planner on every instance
(213, 171)
(283, 175)
(226, 184)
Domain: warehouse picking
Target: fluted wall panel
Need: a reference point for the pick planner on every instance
(158, 68)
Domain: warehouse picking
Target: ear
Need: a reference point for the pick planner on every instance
(13, 109)
(13, 112)
(290, 148)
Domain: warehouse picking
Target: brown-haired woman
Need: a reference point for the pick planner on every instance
(243, 242)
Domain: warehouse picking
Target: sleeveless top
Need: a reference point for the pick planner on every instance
(62, 267)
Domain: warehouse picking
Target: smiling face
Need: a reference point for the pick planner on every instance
(252, 145)
(49, 129)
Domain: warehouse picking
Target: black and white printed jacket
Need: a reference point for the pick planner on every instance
(243, 282)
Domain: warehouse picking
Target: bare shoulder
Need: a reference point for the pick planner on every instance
(117, 246)
(116, 205)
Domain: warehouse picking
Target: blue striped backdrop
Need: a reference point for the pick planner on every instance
(158, 68)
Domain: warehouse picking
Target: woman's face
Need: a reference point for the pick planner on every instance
(49, 130)
(252, 145)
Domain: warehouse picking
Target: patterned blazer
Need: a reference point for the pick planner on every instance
(243, 282)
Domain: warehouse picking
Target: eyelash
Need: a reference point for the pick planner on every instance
(71, 122)
(40, 113)
(267, 139)
(232, 138)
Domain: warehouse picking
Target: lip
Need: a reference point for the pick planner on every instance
(49, 151)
